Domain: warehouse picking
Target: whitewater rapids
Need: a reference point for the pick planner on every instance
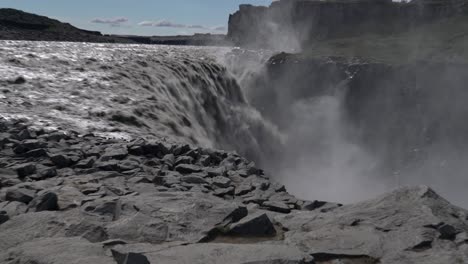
(177, 94)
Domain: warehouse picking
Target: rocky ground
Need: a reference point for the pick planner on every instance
(71, 198)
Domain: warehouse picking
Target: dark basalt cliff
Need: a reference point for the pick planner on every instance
(293, 23)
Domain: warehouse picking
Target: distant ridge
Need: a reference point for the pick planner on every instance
(19, 25)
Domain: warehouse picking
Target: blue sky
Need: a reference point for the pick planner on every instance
(139, 17)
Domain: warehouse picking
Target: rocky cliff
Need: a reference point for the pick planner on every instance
(291, 24)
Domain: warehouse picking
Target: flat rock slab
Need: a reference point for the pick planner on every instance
(230, 254)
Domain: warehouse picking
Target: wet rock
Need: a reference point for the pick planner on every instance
(56, 136)
(28, 145)
(184, 160)
(169, 160)
(20, 195)
(27, 134)
(62, 160)
(24, 170)
(181, 149)
(86, 163)
(112, 165)
(47, 201)
(256, 225)
(115, 153)
(36, 153)
(187, 168)
(276, 206)
(128, 165)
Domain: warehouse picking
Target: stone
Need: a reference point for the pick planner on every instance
(194, 179)
(61, 160)
(222, 182)
(36, 153)
(27, 134)
(129, 258)
(94, 232)
(112, 165)
(44, 172)
(57, 250)
(3, 217)
(448, 232)
(213, 172)
(20, 195)
(24, 170)
(244, 189)
(235, 216)
(276, 206)
(28, 145)
(115, 153)
(187, 168)
(169, 159)
(221, 192)
(86, 163)
(312, 205)
(57, 136)
(107, 209)
(47, 201)
(212, 253)
(255, 225)
(184, 160)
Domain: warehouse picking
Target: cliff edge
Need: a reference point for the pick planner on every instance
(293, 24)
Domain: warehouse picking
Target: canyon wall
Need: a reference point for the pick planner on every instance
(290, 24)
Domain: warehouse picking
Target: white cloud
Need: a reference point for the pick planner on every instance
(166, 23)
(110, 21)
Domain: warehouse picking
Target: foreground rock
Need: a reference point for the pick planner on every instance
(158, 203)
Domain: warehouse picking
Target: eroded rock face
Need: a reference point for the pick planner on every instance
(287, 24)
(225, 211)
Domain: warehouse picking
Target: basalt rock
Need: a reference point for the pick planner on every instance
(206, 214)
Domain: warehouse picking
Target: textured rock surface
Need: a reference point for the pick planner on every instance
(287, 24)
(132, 216)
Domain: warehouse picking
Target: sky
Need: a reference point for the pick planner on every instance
(138, 17)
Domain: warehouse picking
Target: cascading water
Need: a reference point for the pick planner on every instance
(180, 94)
(337, 131)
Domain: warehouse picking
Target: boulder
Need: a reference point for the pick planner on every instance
(21, 195)
(26, 169)
(277, 206)
(187, 168)
(255, 225)
(47, 201)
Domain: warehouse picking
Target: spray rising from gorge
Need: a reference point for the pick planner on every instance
(328, 129)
